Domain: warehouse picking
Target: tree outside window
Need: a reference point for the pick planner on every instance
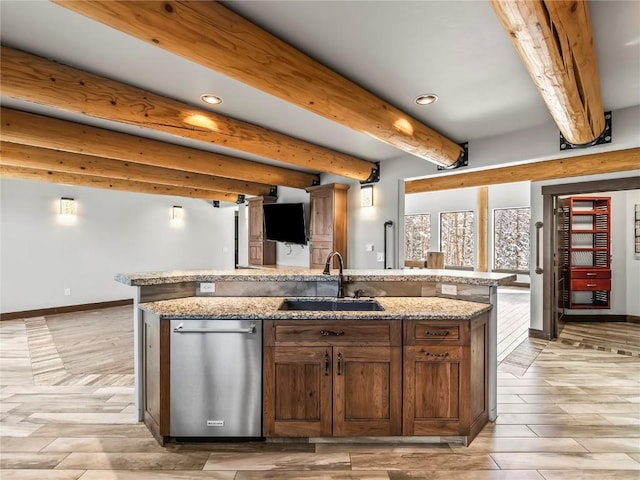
(511, 239)
(417, 236)
(457, 238)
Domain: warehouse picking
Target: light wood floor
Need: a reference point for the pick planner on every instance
(567, 410)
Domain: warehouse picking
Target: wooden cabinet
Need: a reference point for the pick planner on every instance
(445, 377)
(585, 252)
(332, 378)
(261, 251)
(327, 222)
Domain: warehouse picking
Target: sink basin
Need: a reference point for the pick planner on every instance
(331, 305)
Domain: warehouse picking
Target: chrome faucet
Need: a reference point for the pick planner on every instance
(327, 271)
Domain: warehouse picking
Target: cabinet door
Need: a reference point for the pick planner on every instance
(321, 228)
(255, 253)
(256, 227)
(297, 391)
(367, 391)
(432, 390)
(319, 253)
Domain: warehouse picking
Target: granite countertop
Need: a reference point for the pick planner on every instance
(266, 308)
(302, 275)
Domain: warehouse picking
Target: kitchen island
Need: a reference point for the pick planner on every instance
(434, 338)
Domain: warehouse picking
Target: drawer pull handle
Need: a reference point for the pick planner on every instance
(328, 333)
(439, 355)
(591, 284)
(326, 364)
(437, 334)
(339, 364)
(591, 274)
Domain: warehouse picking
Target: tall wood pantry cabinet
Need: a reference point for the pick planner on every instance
(584, 252)
(261, 251)
(327, 223)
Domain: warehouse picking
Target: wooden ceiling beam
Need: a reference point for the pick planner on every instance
(37, 175)
(597, 163)
(35, 79)
(46, 132)
(18, 155)
(230, 44)
(555, 42)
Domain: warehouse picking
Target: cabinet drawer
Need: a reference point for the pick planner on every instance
(419, 332)
(380, 332)
(591, 285)
(435, 353)
(588, 274)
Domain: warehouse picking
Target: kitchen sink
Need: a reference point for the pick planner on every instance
(331, 304)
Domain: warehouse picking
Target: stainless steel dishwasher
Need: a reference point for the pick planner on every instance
(216, 378)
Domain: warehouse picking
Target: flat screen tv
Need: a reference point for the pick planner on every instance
(284, 222)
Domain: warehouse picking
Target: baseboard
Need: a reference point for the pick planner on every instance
(66, 309)
(535, 333)
(633, 319)
(599, 318)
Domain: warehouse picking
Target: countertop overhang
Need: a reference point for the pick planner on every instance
(266, 308)
(282, 275)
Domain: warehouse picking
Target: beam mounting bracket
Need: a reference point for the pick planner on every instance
(604, 137)
(463, 159)
(374, 177)
(216, 204)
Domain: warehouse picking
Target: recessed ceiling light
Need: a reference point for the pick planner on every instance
(211, 99)
(426, 99)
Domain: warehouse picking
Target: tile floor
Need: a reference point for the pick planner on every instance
(66, 413)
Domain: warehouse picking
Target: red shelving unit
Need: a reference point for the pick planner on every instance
(584, 233)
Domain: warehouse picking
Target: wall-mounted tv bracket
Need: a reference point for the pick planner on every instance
(374, 177)
(240, 200)
(463, 159)
(604, 137)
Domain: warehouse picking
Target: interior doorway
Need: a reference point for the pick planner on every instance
(552, 312)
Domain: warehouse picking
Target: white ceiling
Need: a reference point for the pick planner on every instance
(396, 49)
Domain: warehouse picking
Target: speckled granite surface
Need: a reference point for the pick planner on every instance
(266, 308)
(273, 275)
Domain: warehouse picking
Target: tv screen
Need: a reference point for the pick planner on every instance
(284, 222)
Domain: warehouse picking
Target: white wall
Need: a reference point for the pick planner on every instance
(114, 232)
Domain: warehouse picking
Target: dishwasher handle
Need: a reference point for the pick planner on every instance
(180, 329)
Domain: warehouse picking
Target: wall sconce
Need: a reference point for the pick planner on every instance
(177, 213)
(67, 206)
(366, 196)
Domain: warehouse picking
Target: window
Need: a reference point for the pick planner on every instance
(511, 239)
(457, 238)
(417, 236)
